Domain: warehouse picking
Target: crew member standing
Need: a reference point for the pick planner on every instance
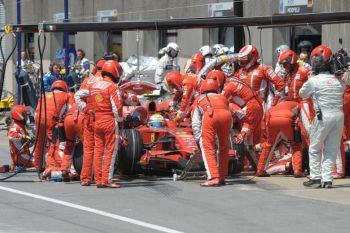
(327, 93)
(212, 119)
(107, 108)
(88, 123)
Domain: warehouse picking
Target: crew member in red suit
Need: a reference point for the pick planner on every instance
(88, 123)
(174, 81)
(239, 93)
(296, 76)
(57, 105)
(195, 64)
(347, 114)
(19, 139)
(258, 76)
(282, 122)
(212, 119)
(191, 87)
(107, 107)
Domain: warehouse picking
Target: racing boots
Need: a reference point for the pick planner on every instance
(113, 185)
(262, 174)
(215, 182)
(327, 185)
(298, 174)
(312, 183)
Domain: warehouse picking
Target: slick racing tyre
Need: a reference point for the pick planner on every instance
(129, 156)
(236, 166)
(78, 157)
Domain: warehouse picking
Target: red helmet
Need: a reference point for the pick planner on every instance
(100, 64)
(209, 85)
(173, 80)
(288, 56)
(217, 75)
(248, 56)
(112, 69)
(20, 112)
(59, 85)
(321, 58)
(197, 63)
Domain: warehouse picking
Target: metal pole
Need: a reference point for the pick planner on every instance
(138, 53)
(19, 48)
(66, 37)
(238, 32)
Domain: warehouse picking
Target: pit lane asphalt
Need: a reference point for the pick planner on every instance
(276, 204)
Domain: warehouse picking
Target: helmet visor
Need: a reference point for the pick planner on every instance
(156, 124)
(173, 53)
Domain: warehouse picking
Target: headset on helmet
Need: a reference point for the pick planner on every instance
(113, 70)
(280, 49)
(321, 58)
(218, 76)
(20, 113)
(248, 56)
(209, 85)
(59, 85)
(156, 121)
(206, 50)
(173, 80)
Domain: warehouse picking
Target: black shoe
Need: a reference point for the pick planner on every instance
(312, 183)
(327, 185)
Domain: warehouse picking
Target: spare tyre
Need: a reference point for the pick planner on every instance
(78, 157)
(129, 156)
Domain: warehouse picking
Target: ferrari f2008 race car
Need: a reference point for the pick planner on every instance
(161, 147)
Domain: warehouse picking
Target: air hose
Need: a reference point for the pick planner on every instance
(42, 104)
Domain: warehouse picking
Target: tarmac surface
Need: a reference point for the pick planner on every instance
(158, 204)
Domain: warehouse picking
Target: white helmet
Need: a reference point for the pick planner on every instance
(206, 50)
(232, 49)
(280, 49)
(216, 48)
(172, 49)
(222, 51)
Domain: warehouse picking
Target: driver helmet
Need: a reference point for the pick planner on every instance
(156, 121)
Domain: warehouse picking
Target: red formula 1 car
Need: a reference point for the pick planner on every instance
(165, 149)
